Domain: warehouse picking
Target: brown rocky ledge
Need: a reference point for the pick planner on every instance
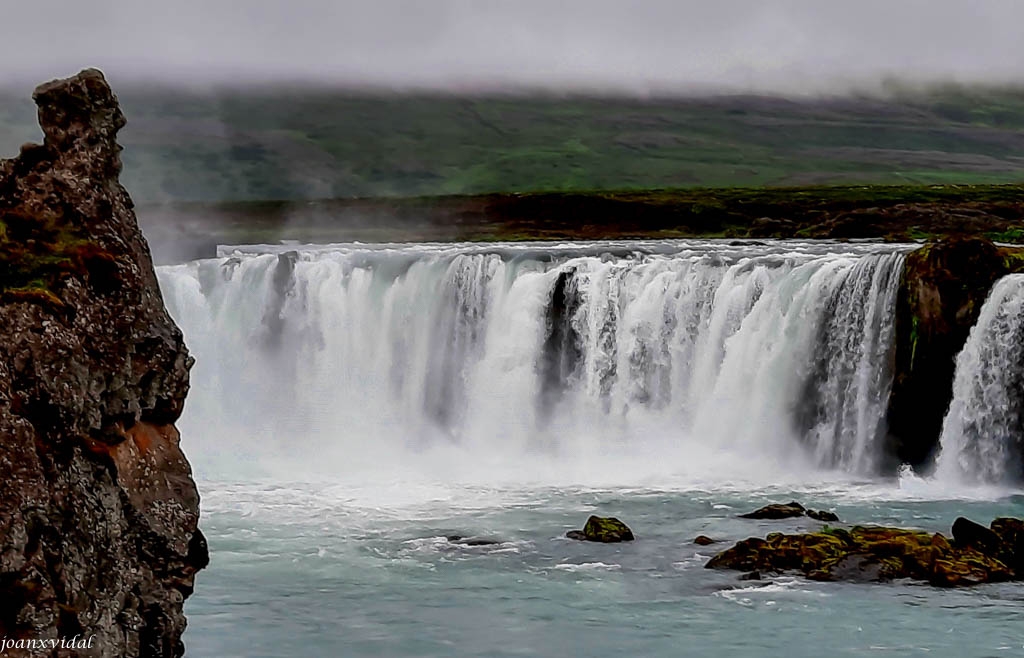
(975, 555)
(98, 509)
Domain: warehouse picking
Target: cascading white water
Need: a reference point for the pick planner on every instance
(982, 431)
(350, 353)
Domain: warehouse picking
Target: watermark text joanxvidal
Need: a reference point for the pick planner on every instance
(76, 642)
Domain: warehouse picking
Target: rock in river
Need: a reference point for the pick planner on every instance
(1011, 537)
(776, 511)
(789, 511)
(871, 553)
(968, 533)
(605, 529)
(472, 541)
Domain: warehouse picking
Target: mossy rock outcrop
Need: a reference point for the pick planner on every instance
(942, 290)
(1011, 542)
(604, 529)
(871, 553)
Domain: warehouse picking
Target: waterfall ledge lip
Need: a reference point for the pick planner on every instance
(591, 247)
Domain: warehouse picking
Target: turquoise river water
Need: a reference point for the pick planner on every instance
(353, 405)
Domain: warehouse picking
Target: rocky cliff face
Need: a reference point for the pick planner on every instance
(98, 509)
(942, 290)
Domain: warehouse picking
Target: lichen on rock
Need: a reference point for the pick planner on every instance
(98, 509)
(604, 529)
(874, 553)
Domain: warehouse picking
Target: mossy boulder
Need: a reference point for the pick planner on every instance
(942, 289)
(604, 529)
(871, 553)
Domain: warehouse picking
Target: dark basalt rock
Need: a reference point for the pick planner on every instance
(878, 554)
(562, 352)
(942, 289)
(967, 533)
(790, 510)
(751, 575)
(98, 509)
(602, 529)
(776, 511)
(704, 540)
(471, 541)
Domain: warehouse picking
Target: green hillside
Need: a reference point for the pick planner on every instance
(306, 143)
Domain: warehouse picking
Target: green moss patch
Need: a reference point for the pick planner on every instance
(873, 553)
(38, 252)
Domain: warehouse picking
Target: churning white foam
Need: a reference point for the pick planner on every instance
(600, 362)
(982, 432)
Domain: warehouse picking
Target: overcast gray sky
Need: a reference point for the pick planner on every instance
(785, 45)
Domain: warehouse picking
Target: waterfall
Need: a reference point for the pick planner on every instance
(981, 434)
(534, 349)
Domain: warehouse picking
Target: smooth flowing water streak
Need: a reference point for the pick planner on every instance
(981, 433)
(589, 359)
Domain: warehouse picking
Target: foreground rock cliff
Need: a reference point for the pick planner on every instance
(98, 509)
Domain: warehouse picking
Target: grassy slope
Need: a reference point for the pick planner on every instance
(319, 144)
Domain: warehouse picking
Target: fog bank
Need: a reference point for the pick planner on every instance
(655, 46)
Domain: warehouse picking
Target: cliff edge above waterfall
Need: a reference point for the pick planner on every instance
(943, 287)
(98, 509)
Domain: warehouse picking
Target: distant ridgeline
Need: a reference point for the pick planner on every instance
(293, 144)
